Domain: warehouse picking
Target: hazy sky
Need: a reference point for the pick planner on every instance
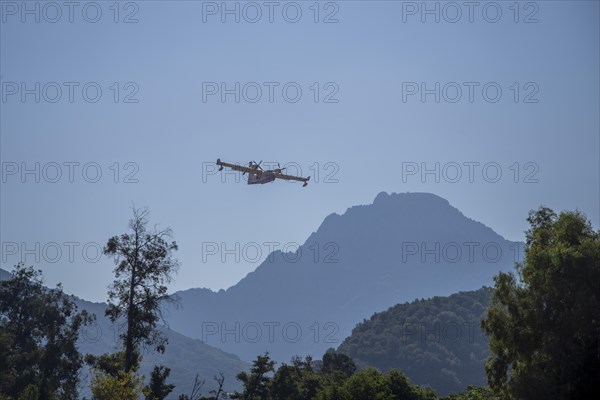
(360, 125)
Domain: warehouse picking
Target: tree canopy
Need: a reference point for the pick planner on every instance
(39, 328)
(544, 322)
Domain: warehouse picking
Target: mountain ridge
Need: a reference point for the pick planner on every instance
(395, 249)
(200, 358)
(381, 198)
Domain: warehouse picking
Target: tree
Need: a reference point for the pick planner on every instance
(110, 364)
(309, 380)
(158, 388)
(401, 388)
(124, 386)
(333, 392)
(257, 382)
(474, 393)
(544, 324)
(39, 328)
(368, 384)
(333, 361)
(285, 384)
(295, 382)
(144, 265)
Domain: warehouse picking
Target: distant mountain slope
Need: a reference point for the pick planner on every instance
(401, 247)
(5, 275)
(185, 356)
(436, 342)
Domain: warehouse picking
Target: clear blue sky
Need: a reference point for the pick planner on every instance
(369, 55)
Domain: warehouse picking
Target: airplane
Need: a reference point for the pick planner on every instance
(258, 175)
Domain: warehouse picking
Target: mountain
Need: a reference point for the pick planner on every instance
(5, 275)
(185, 356)
(401, 247)
(436, 342)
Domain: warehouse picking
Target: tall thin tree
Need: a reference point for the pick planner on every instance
(144, 266)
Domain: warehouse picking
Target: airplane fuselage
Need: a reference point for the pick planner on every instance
(266, 177)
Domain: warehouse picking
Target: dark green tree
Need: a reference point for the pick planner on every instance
(368, 384)
(333, 392)
(334, 361)
(286, 385)
(544, 323)
(474, 393)
(298, 381)
(158, 388)
(144, 266)
(257, 383)
(309, 380)
(110, 364)
(401, 388)
(39, 328)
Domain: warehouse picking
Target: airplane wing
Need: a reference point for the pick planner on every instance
(291, 177)
(240, 168)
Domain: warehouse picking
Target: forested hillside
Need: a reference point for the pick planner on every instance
(436, 342)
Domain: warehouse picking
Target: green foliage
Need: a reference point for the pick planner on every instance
(31, 392)
(257, 382)
(295, 382)
(333, 392)
(371, 384)
(39, 328)
(144, 267)
(474, 393)
(334, 361)
(436, 342)
(402, 389)
(544, 324)
(110, 364)
(124, 386)
(285, 384)
(368, 384)
(158, 388)
(300, 381)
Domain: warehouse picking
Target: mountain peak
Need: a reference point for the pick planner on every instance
(384, 198)
(407, 208)
(400, 247)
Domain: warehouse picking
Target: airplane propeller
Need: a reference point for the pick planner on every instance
(255, 163)
(279, 167)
